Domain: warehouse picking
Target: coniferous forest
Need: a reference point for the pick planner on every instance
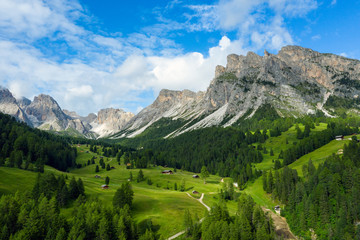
(326, 199)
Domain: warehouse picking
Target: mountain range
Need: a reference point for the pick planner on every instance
(295, 82)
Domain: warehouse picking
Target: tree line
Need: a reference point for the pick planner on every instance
(249, 223)
(326, 200)
(30, 149)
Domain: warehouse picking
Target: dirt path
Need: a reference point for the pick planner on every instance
(282, 229)
(199, 200)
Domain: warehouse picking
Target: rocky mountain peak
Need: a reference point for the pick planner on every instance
(24, 102)
(6, 96)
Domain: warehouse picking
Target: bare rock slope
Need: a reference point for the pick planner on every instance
(295, 82)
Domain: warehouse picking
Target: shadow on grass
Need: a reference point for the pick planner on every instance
(147, 224)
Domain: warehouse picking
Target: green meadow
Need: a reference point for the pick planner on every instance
(159, 201)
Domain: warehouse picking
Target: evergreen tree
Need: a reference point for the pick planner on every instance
(123, 196)
(140, 176)
(97, 168)
(107, 180)
(182, 186)
(80, 186)
(108, 167)
(73, 189)
(204, 173)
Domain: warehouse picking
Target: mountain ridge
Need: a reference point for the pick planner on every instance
(294, 82)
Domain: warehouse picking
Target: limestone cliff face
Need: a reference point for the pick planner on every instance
(110, 121)
(169, 104)
(295, 82)
(9, 105)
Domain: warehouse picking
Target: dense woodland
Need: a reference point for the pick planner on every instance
(316, 140)
(250, 223)
(223, 151)
(326, 200)
(36, 214)
(29, 148)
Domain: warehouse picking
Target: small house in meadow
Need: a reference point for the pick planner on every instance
(167, 172)
(104, 186)
(339, 137)
(97, 176)
(112, 168)
(195, 176)
(277, 209)
(195, 192)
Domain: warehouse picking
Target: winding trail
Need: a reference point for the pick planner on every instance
(199, 200)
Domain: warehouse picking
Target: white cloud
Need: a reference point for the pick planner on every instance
(333, 2)
(316, 37)
(114, 70)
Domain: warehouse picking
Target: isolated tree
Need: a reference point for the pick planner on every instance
(204, 173)
(108, 167)
(73, 188)
(123, 196)
(80, 186)
(175, 186)
(271, 152)
(131, 176)
(188, 222)
(140, 176)
(97, 168)
(107, 180)
(182, 186)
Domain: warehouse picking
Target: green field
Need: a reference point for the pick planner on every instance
(279, 143)
(158, 202)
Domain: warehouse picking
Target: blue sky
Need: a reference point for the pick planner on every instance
(91, 54)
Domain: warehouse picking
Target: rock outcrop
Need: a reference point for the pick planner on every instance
(295, 82)
(46, 114)
(110, 121)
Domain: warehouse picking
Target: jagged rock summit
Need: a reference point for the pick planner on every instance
(45, 113)
(295, 82)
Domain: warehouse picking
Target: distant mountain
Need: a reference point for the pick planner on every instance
(9, 105)
(46, 114)
(295, 82)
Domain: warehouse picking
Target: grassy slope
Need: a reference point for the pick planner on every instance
(279, 143)
(165, 207)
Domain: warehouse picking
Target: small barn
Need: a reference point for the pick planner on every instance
(195, 192)
(104, 186)
(112, 168)
(195, 176)
(277, 209)
(339, 137)
(167, 172)
(97, 176)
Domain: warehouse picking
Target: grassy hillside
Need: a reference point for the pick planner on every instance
(318, 156)
(158, 202)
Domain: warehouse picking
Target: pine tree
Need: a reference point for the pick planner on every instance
(123, 196)
(182, 186)
(80, 186)
(108, 167)
(140, 176)
(107, 180)
(73, 188)
(97, 168)
(204, 173)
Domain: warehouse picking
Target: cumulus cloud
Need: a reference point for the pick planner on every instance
(116, 70)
